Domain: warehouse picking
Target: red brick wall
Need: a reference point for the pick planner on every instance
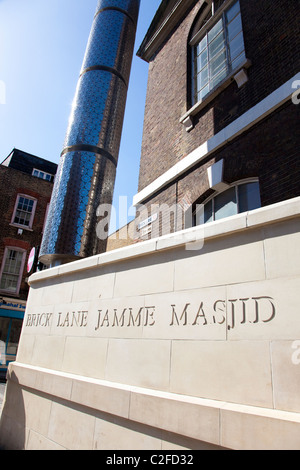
(12, 183)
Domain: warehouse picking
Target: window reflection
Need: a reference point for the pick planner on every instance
(218, 52)
(239, 198)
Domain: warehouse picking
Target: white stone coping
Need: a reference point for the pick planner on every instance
(197, 418)
(195, 235)
(251, 117)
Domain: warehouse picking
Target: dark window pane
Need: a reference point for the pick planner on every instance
(218, 78)
(225, 204)
(234, 28)
(202, 78)
(215, 30)
(14, 336)
(202, 60)
(233, 11)
(204, 213)
(217, 64)
(236, 46)
(208, 212)
(249, 197)
(217, 45)
(202, 45)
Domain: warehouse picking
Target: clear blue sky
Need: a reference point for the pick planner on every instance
(42, 44)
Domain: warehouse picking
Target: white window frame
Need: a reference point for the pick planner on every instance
(6, 251)
(15, 224)
(42, 175)
(236, 184)
(200, 35)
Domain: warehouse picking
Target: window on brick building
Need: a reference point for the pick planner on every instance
(240, 197)
(24, 211)
(12, 270)
(42, 175)
(217, 46)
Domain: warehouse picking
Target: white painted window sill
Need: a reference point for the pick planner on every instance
(186, 119)
(22, 227)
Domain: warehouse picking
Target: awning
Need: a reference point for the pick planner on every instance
(5, 312)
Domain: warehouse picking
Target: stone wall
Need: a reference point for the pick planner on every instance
(186, 341)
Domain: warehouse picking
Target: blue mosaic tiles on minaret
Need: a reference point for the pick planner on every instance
(87, 168)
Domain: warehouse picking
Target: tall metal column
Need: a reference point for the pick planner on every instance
(87, 168)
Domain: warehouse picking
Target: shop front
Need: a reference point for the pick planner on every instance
(11, 320)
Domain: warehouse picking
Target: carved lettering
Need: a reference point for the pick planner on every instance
(42, 319)
(232, 326)
(98, 323)
(149, 320)
(66, 321)
(119, 321)
(128, 318)
(59, 317)
(237, 312)
(251, 311)
(220, 306)
(84, 319)
(71, 319)
(202, 316)
(244, 317)
(271, 311)
(137, 321)
(105, 320)
(183, 315)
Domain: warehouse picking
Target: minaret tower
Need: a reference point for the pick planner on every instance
(87, 168)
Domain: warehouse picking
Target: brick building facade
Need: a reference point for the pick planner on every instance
(26, 185)
(244, 116)
(184, 343)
